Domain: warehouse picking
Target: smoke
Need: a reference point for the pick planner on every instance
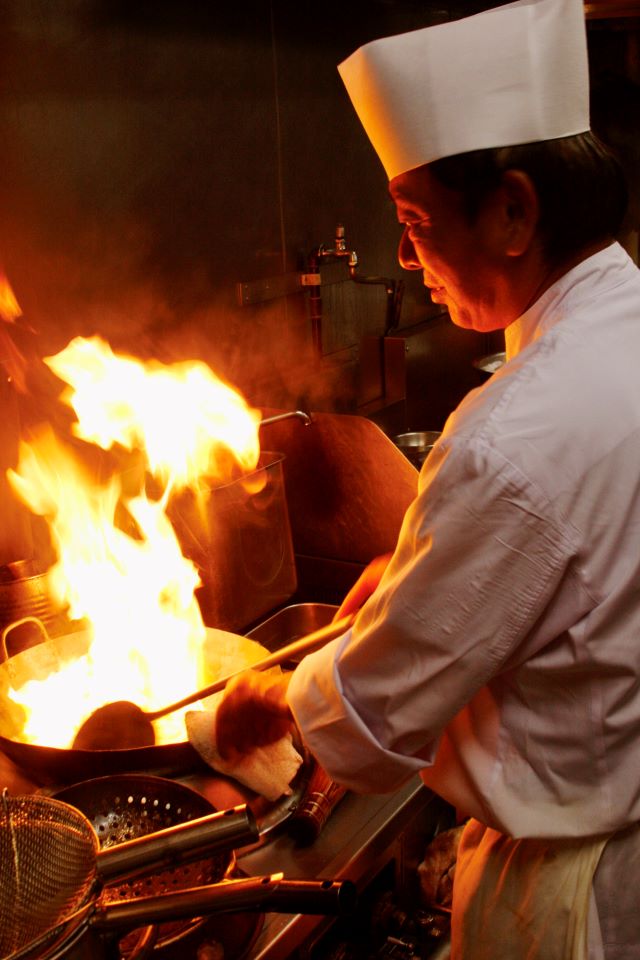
(112, 277)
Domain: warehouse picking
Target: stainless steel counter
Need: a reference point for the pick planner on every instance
(364, 834)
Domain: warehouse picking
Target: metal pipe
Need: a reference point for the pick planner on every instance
(182, 843)
(311, 279)
(299, 414)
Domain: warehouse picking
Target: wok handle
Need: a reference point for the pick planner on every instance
(182, 843)
(270, 893)
(4, 650)
(297, 648)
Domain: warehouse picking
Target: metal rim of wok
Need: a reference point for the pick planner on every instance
(56, 767)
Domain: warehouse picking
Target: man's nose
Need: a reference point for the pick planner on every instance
(407, 252)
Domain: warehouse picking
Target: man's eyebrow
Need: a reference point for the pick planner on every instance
(404, 211)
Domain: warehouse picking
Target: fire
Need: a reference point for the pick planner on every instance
(120, 567)
(10, 357)
(9, 307)
(184, 417)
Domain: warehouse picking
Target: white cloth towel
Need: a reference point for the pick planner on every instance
(267, 771)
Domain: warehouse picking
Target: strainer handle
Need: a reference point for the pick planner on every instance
(223, 830)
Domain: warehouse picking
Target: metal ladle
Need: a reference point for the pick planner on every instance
(122, 724)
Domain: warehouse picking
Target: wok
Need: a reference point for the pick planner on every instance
(122, 723)
(55, 765)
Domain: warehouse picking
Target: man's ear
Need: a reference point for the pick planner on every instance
(520, 211)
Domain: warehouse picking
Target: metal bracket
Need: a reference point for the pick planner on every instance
(257, 291)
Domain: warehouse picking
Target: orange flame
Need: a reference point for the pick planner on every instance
(10, 357)
(9, 307)
(120, 565)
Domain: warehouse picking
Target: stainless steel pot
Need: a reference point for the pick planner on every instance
(24, 594)
(239, 537)
(416, 445)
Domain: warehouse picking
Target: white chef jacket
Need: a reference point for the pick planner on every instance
(500, 655)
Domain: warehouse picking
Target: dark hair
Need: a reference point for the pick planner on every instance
(580, 185)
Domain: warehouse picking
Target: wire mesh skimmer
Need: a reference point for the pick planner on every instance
(47, 867)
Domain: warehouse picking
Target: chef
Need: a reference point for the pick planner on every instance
(497, 654)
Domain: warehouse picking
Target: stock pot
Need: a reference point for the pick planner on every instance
(24, 594)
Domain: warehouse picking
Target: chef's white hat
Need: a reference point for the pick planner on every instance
(513, 74)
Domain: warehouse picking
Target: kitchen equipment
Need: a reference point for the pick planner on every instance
(416, 445)
(291, 622)
(492, 362)
(48, 847)
(24, 594)
(48, 885)
(148, 838)
(239, 537)
(348, 488)
(124, 724)
(124, 807)
(46, 766)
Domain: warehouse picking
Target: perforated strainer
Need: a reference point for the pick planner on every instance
(127, 806)
(123, 807)
(47, 867)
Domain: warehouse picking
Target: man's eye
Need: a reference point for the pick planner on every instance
(415, 227)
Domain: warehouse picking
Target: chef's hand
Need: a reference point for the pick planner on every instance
(253, 713)
(364, 586)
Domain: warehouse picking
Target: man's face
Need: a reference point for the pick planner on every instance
(462, 262)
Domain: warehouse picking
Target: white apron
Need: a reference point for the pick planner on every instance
(522, 899)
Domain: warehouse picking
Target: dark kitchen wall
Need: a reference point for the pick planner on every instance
(155, 155)
(162, 157)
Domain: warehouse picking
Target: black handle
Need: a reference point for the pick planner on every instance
(261, 894)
